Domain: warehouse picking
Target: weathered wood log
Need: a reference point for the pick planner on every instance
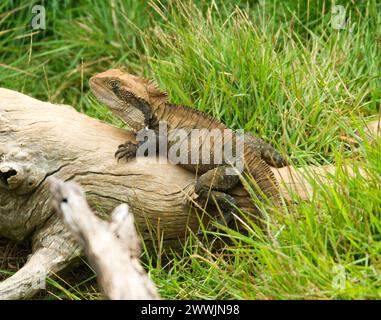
(39, 140)
(112, 248)
(297, 181)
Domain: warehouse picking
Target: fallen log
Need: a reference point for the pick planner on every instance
(112, 248)
(39, 140)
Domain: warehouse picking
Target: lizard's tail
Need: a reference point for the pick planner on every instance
(261, 180)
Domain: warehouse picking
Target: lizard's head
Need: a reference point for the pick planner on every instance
(130, 97)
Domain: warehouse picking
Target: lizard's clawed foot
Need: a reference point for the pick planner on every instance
(126, 151)
(224, 201)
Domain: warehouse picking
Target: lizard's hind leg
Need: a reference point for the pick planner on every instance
(217, 179)
(224, 201)
(265, 151)
(210, 187)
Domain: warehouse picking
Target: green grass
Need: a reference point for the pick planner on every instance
(278, 70)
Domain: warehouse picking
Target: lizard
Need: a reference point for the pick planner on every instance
(143, 106)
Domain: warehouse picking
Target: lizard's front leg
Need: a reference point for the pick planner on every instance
(126, 151)
(147, 139)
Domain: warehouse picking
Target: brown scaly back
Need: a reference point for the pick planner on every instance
(177, 115)
(180, 116)
(186, 117)
(183, 116)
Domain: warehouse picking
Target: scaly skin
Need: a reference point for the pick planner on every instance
(142, 105)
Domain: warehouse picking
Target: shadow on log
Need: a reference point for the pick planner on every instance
(39, 140)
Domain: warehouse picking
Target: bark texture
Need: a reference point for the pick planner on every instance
(112, 248)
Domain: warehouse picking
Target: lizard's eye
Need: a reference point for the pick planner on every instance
(113, 83)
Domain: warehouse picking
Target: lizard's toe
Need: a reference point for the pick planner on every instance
(126, 151)
(198, 187)
(225, 202)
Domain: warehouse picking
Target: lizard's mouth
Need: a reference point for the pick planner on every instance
(104, 95)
